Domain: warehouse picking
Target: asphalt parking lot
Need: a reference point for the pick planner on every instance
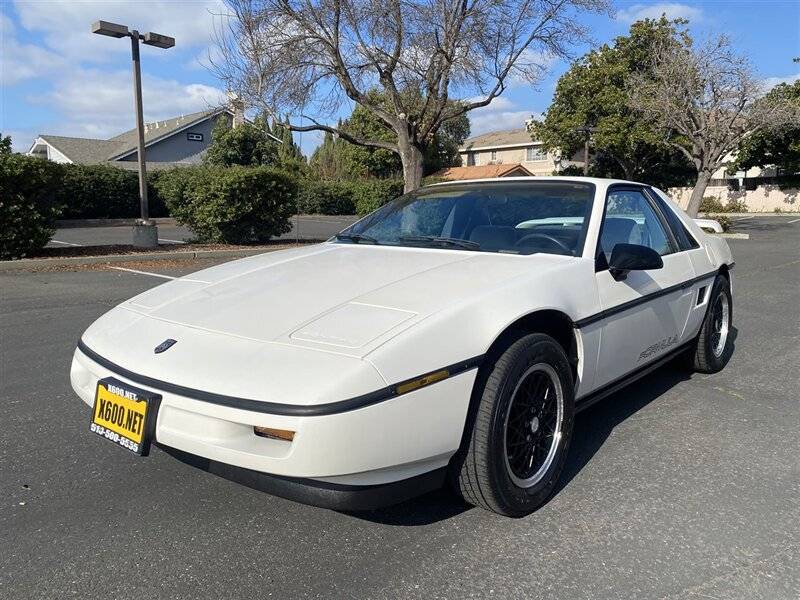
(304, 227)
(678, 487)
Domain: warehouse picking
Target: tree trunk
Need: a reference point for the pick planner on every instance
(411, 157)
(703, 178)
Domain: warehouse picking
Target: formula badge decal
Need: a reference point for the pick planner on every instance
(165, 345)
(658, 347)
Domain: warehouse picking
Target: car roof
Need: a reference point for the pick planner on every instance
(602, 181)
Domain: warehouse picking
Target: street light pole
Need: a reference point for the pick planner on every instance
(137, 100)
(145, 232)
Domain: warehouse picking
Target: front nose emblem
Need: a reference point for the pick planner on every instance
(165, 345)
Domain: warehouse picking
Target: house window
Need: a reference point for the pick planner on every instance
(194, 137)
(494, 154)
(470, 159)
(535, 153)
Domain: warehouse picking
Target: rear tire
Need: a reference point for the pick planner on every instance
(713, 346)
(522, 428)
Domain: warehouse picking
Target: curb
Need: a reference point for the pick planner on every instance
(35, 263)
(752, 214)
(74, 223)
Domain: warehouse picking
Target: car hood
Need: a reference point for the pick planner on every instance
(298, 326)
(334, 296)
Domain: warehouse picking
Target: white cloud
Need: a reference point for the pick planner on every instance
(98, 103)
(673, 10)
(771, 82)
(23, 61)
(87, 80)
(501, 114)
(21, 139)
(66, 24)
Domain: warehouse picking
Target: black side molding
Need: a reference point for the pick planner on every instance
(290, 410)
(591, 398)
(604, 314)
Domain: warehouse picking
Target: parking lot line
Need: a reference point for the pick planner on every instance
(793, 221)
(172, 241)
(65, 243)
(159, 275)
(162, 276)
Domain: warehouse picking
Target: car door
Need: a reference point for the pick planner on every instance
(644, 313)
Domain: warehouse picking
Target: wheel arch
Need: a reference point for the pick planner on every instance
(555, 323)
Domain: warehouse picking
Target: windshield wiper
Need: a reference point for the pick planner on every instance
(443, 241)
(356, 238)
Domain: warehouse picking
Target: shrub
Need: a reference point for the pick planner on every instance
(371, 195)
(234, 205)
(28, 204)
(105, 192)
(711, 204)
(326, 197)
(347, 197)
(735, 206)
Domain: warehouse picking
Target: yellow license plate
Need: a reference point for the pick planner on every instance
(124, 414)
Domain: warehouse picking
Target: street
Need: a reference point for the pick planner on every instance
(680, 486)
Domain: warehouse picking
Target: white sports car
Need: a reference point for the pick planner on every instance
(450, 335)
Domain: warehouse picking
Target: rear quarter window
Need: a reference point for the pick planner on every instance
(679, 231)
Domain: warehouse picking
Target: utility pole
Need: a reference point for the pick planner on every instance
(145, 232)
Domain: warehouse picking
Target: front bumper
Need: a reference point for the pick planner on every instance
(384, 443)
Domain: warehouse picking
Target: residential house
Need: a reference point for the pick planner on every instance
(511, 147)
(177, 141)
(482, 172)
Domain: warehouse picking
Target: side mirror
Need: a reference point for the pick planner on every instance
(632, 257)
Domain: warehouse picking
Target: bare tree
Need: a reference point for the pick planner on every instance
(705, 99)
(307, 57)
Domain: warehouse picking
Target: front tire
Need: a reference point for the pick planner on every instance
(714, 344)
(522, 429)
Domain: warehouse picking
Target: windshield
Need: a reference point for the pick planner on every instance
(515, 217)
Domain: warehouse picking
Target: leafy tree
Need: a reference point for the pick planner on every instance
(5, 144)
(306, 58)
(705, 100)
(248, 144)
(593, 93)
(779, 148)
(339, 159)
(289, 154)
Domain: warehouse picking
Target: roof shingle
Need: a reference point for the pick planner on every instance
(483, 172)
(498, 138)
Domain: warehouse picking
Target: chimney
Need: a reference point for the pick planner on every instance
(237, 106)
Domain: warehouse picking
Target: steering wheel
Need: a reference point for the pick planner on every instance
(549, 238)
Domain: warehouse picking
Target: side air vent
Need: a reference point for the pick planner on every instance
(701, 295)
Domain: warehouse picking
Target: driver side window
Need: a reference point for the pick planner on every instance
(631, 219)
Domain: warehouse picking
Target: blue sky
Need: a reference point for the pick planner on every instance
(58, 78)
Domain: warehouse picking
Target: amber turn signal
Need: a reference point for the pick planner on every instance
(274, 434)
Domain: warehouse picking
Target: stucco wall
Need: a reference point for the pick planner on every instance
(765, 198)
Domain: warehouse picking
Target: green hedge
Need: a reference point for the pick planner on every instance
(326, 197)
(28, 204)
(106, 192)
(234, 205)
(347, 197)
